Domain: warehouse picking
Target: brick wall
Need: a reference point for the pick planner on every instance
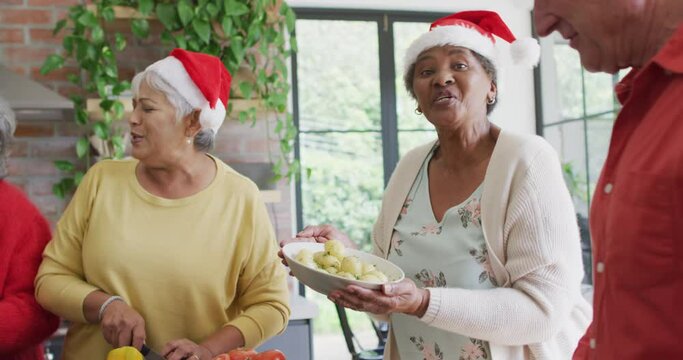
(26, 39)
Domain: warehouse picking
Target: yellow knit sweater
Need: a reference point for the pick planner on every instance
(189, 266)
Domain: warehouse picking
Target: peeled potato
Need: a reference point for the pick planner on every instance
(335, 248)
(352, 265)
(318, 256)
(333, 261)
(378, 274)
(367, 267)
(329, 261)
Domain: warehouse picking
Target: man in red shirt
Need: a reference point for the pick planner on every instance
(637, 211)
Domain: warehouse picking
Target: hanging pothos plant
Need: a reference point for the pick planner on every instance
(243, 33)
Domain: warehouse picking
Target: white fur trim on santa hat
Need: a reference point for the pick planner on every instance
(525, 52)
(450, 35)
(173, 72)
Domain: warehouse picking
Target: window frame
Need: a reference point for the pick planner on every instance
(585, 118)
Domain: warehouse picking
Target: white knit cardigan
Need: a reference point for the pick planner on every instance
(533, 243)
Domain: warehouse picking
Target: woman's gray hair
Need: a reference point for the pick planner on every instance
(7, 126)
(487, 64)
(204, 140)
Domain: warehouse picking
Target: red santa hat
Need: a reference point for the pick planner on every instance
(479, 31)
(201, 79)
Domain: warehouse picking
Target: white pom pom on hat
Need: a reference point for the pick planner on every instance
(525, 52)
(479, 31)
(201, 79)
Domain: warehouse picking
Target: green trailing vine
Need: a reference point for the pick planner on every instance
(257, 34)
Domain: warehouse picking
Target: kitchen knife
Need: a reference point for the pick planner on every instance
(150, 354)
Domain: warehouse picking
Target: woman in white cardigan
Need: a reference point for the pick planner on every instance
(480, 220)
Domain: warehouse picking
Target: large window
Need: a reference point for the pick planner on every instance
(340, 124)
(355, 119)
(579, 109)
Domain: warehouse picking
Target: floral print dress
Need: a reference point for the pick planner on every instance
(450, 254)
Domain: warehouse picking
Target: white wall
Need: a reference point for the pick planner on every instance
(515, 110)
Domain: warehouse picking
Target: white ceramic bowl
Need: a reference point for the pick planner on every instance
(324, 282)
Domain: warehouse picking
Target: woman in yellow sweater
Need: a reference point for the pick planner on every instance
(172, 248)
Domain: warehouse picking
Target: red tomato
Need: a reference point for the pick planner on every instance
(222, 357)
(242, 354)
(270, 355)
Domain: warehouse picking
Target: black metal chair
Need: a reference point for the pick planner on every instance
(381, 330)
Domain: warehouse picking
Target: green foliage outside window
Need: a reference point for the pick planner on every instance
(340, 125)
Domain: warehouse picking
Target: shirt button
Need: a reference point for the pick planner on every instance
(608, 188)
(600, 267)
(592, 343)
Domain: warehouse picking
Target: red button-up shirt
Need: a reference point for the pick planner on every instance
(637, 219)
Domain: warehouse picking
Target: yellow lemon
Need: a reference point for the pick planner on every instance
(125, 353)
